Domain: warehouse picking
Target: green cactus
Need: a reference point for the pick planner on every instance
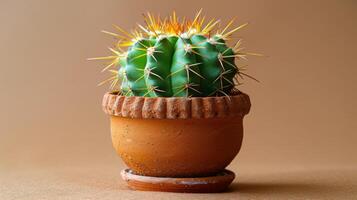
(173, 58)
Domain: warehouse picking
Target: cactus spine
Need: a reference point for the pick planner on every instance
(176, 58)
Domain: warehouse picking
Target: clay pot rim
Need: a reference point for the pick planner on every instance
(236, 105)
(235, 93)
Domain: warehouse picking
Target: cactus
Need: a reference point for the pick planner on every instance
(173, 57)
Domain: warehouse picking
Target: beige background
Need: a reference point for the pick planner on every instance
(300, 137)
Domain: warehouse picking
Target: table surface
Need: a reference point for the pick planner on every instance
(102, 181)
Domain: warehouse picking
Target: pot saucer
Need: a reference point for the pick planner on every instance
(209, 184)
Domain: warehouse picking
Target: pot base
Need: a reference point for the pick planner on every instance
(211, 184)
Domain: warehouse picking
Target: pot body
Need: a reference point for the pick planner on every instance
(177, 147)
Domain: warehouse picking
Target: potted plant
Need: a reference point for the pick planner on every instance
(176, 113)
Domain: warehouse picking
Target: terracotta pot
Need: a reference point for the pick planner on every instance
(177, 137)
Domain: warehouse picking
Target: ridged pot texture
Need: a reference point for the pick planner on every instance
(177, 148)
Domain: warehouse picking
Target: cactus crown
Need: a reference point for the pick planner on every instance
(175, 57)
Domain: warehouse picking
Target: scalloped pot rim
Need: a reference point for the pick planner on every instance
(138, 107)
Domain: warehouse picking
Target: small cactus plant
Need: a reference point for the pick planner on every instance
(171, 57)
